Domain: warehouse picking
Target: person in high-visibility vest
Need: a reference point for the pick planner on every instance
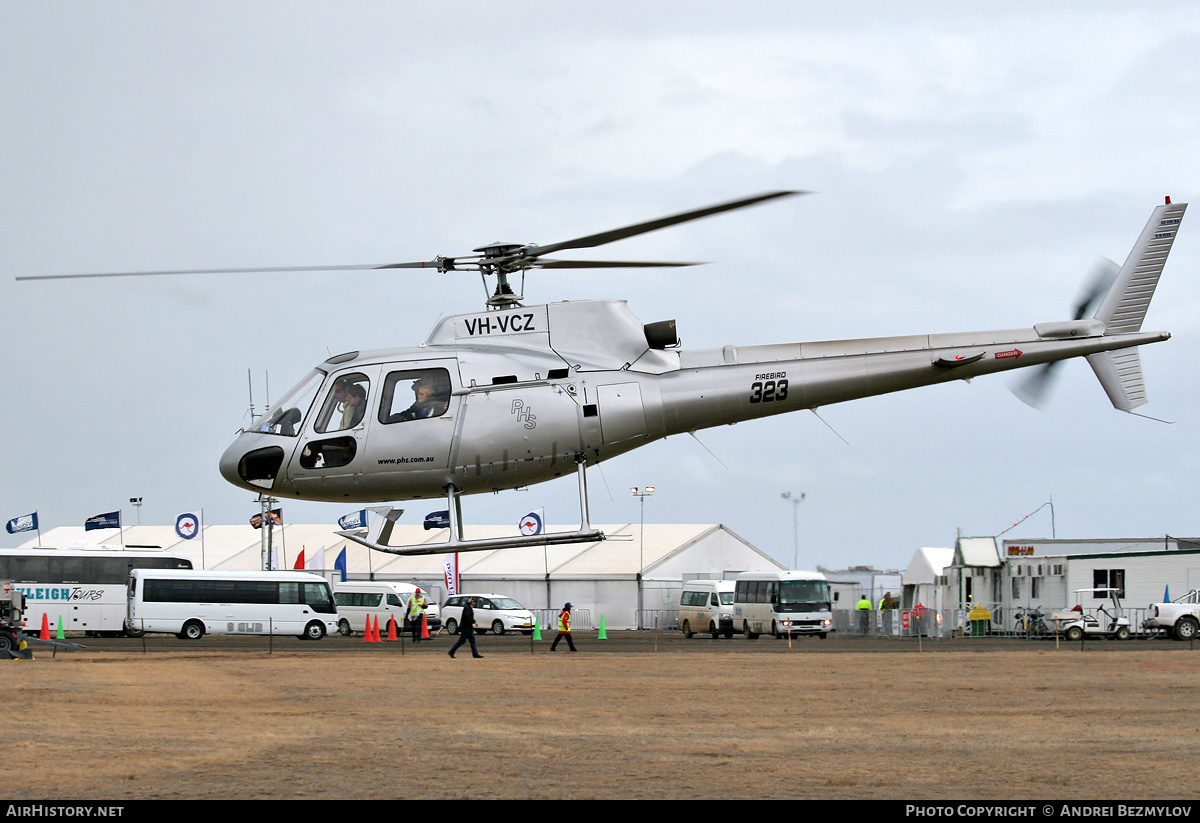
(564, 629)
(864, 614)
(416, 608)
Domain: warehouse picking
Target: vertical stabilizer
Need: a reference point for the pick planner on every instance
(1124, 307)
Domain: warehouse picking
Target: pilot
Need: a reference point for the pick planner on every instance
(431, 400)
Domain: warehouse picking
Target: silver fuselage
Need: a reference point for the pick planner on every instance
(535, 388)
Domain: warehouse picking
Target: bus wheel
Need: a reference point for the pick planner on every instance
(687, 630)
(344, 628)
(313, 631)
(133, 632)
(746, 631)
(729, 634)
(712, 629)
(192, 630)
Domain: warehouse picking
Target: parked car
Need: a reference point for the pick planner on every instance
(496, 613)
(1180, 618)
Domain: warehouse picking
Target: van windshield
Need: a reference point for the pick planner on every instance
(803, 595)
(726, 598)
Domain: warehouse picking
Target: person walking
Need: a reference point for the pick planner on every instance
(564, 629)
(466, 630)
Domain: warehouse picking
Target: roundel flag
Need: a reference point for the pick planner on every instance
(187, 525)
(532, 523)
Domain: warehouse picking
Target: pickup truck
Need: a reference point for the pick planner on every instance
(1180, 617)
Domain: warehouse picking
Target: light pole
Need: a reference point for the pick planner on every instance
(641, 494)
(137, 504)
(796, 500)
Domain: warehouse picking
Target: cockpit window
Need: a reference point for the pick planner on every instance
(414, 395)
(289, 413)
(346, 404)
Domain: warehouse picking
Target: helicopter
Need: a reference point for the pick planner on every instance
(520, 394)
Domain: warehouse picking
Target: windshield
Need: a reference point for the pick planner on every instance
(506, 603)
(803, 595)
(726, 598)
(288, 414)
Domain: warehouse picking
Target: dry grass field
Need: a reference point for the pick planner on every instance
(746, 721)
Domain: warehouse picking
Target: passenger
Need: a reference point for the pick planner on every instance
(355, 406)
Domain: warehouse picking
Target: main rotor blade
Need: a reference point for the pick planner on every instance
(351, 267)
(603, 237)
(605, 264)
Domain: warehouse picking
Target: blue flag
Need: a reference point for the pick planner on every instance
(354, 520)
(108, 520)
(24, 523)
(340, 564)
(437, 520)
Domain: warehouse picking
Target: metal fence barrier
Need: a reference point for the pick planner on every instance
(547, 620)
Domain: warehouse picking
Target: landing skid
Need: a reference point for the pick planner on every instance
(376, 536)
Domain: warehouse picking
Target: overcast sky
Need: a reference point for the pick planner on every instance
(971, 161)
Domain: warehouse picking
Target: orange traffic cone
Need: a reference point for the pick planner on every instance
(367, 630)
(424, 627)
(45, 635)
(392, 628)
(375, 632)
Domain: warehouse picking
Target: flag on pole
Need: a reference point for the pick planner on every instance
(318, 561)
(354, 520)
(437, 520)
(108, 520)
(187, 525)
(340, 564)
(24, 523)
(451, 563)
(275, 516)
(300, 560)
(532, 524)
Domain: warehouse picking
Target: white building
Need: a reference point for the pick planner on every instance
(1012, 575)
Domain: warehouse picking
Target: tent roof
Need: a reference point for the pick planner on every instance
(238, 547)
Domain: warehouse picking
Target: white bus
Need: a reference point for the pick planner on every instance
(191, 604)
(85, 588)
(782, 603)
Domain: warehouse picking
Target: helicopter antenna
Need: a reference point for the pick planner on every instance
(250, 387)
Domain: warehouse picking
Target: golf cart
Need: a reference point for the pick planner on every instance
(1107, 620)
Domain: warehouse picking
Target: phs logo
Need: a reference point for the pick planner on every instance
(524, 413)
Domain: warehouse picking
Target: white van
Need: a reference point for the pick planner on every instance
(382, 599)
(706, 606)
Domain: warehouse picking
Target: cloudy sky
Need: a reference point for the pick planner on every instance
(970, 162)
